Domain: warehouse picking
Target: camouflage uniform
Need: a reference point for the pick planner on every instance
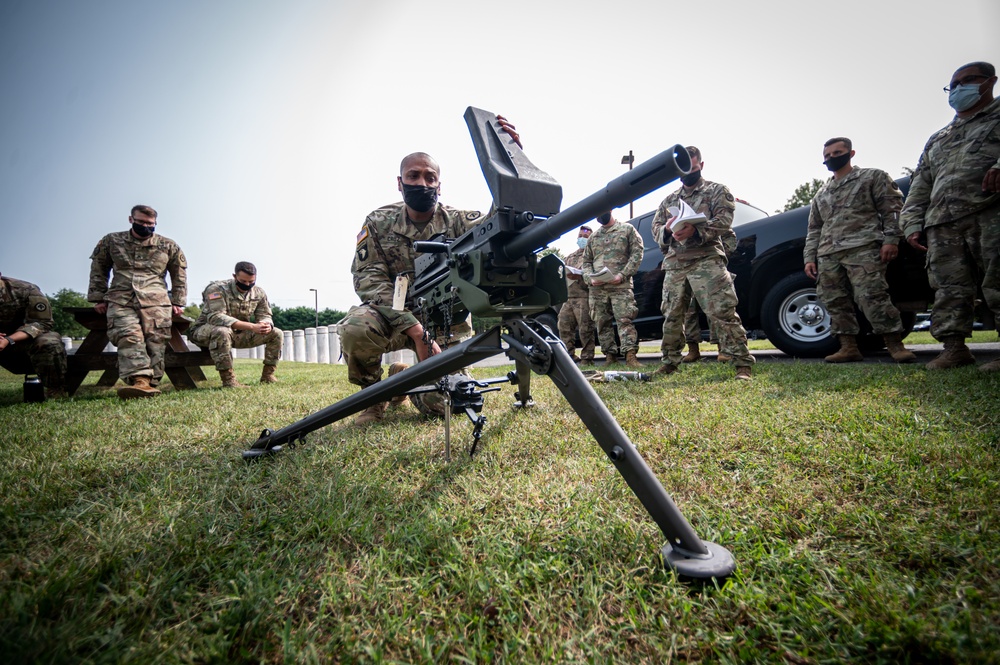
(961, 221)
(850, 219)
(24, 308)
(223, 304)
(618, 247)
(575, 313)
(384, 251)
(139, 307)
(692, 324)
(697, 267)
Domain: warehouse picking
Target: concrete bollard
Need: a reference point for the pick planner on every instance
(67, 344)
(322, 345)
(299, 346)
(287, 352)
(310, 345)
(335, 358)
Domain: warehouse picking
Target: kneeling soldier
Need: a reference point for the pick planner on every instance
(235, 314)
(26, 327)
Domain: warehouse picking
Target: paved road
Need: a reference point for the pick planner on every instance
(984, 352)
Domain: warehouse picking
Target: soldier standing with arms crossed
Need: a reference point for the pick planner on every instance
(138, 307)
(574, 317)
(616, 248)
(235, 314)
(694, 264)
(853, 235)
(954, 202)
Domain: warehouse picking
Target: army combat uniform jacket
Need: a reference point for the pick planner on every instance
(576, 288)
(23, 308)
(223, 304)
(859, 210)
(711, 238)
(617, 247)
(947, 184)
(139, 269)
(385, 250)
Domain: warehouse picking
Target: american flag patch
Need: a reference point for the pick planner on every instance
(363, 235)
(214, 296)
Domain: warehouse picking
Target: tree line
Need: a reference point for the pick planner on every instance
(293, 318)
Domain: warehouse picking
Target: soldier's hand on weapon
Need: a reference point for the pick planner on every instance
(101, 308)
(416, 333)
(509, 128)
(811, 270)
(991, 183)
(914, 240)
(888, 253)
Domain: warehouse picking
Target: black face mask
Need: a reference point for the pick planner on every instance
(420, 198)
(691, 179)
(244, 287)
(142, 230)
(837, 163)
(605, 219)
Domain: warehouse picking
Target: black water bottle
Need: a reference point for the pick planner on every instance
(33, 390)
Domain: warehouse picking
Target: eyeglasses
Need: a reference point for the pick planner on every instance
(965, 80)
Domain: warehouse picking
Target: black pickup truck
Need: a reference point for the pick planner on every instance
(775, 294)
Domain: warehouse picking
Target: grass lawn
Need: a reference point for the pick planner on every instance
(860, 503)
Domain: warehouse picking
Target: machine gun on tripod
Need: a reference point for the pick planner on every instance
(493, 270)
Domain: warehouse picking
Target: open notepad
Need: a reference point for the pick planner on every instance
(682, 216)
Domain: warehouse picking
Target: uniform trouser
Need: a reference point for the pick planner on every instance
(48, 358)
(960, 256)
(608, 306)
(221, 340)
(710, 283)
(692, 324)
(365, 335)
(141, 335)
(856, 275)
(575, 317)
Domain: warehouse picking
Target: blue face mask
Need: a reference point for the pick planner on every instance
(581, 242)
(964, 97)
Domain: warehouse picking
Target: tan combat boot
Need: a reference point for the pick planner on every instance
(632, 361)
(992, 366)
(955, 354)
(610, 359)
(899, 353)
(229, 379)
(744, 373)
(372, 414)
(267, 374)
(140, 388)
(693, 354)
(723, 357)
(848, 352)
(664, 370)
(395, 369)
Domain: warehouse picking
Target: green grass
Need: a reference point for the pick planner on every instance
(860, 504)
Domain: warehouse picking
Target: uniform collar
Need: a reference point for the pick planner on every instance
(401, 226)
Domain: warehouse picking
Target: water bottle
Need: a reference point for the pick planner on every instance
(33, 390)
(626, 376)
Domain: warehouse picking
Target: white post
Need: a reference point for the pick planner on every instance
(334, 345)
(299, 344)
(287, 352)
(322, 345)
(67, 343)
(310, 345)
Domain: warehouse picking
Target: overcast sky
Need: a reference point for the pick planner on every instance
(266, 131)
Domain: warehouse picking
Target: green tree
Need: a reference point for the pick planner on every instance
(803, 195)
(64, 322)
(298, 318)
(192, 311)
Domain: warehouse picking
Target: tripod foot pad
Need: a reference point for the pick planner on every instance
(719, 563)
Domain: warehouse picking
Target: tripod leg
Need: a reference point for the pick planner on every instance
(523, 395)
(685, 552)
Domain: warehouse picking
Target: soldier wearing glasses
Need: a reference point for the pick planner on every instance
(137, 304)
(953, 212)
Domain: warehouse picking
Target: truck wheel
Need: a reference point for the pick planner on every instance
(795, 320)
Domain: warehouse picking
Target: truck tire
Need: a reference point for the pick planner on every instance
(795, 320)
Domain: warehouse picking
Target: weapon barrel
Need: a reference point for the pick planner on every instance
(643, 179)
